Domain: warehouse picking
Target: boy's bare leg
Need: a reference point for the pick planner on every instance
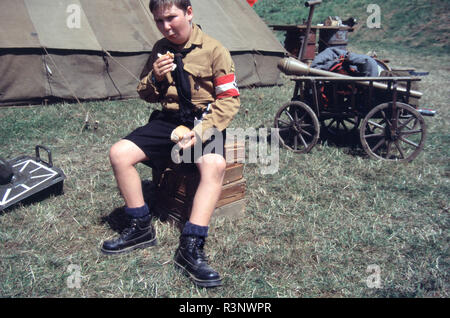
(140, 232)
(190, 256)
(124, 155)
(212, 170)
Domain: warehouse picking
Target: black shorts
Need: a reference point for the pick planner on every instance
(154, 140)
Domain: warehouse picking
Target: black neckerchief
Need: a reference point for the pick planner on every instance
(183, 86)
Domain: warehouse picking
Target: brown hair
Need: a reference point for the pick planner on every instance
(181, 4)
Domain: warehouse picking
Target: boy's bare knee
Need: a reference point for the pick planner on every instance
(221, 164)
(213, 167)
(116, 154)
(125, 153)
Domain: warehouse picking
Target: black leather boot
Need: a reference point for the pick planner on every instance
(139, 234)
(191, 259)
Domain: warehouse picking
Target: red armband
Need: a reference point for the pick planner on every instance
(225, 86)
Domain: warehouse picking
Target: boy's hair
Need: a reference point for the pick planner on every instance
(181, 4)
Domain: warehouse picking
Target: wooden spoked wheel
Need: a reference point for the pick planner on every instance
(297, 127)
(398, 136)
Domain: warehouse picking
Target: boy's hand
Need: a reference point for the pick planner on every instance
(183, 137)
(189, 140)
(163, 65)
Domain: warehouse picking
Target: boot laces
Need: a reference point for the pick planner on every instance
(199, 252)
(129, 229)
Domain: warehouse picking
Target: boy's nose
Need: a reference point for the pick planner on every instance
(167, 26)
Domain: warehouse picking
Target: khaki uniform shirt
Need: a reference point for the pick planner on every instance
(207, 62)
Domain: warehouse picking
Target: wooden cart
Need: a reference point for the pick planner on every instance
(390, 127)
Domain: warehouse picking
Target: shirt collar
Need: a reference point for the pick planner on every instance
(196, 37)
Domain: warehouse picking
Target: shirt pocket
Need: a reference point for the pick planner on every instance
(201, 80)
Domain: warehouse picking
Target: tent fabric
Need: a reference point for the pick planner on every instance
(52, 28)
(84, 49)
(236, 25)
(17, 28)
(128, 26)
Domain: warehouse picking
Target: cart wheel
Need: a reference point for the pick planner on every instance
(381, 141)
(298, 127)
(341, 125)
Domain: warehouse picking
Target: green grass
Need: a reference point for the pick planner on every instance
(309, 230)
(421, 26)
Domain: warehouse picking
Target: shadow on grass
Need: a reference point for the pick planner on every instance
(350, 141)
(118, 220)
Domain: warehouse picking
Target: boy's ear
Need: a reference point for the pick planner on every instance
(189, 13)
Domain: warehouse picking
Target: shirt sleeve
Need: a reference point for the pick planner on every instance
(227, 101)
(148, 89)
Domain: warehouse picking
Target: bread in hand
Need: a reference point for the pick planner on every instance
(178, 133)
(170, 55)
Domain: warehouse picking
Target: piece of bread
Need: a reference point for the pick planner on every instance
(178, 133)
(170, 55)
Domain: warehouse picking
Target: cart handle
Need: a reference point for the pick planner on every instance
(49, 154)
(358, 79)
(312, 3)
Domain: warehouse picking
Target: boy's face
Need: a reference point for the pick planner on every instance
(174, 23)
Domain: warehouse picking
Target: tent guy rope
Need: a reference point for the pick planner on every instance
(68, 86)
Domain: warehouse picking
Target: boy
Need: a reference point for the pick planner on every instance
(192, 75)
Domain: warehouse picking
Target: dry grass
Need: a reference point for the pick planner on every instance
(310, 230)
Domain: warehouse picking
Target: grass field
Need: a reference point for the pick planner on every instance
(330, 223)
(310, 230)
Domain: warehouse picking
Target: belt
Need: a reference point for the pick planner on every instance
(195, 115)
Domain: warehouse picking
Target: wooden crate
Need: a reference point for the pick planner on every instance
(176, 187)
(177, 206)
(235, 152)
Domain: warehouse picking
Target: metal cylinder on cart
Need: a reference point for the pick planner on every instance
(291, 66)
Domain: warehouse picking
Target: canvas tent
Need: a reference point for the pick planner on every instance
(84, 49)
